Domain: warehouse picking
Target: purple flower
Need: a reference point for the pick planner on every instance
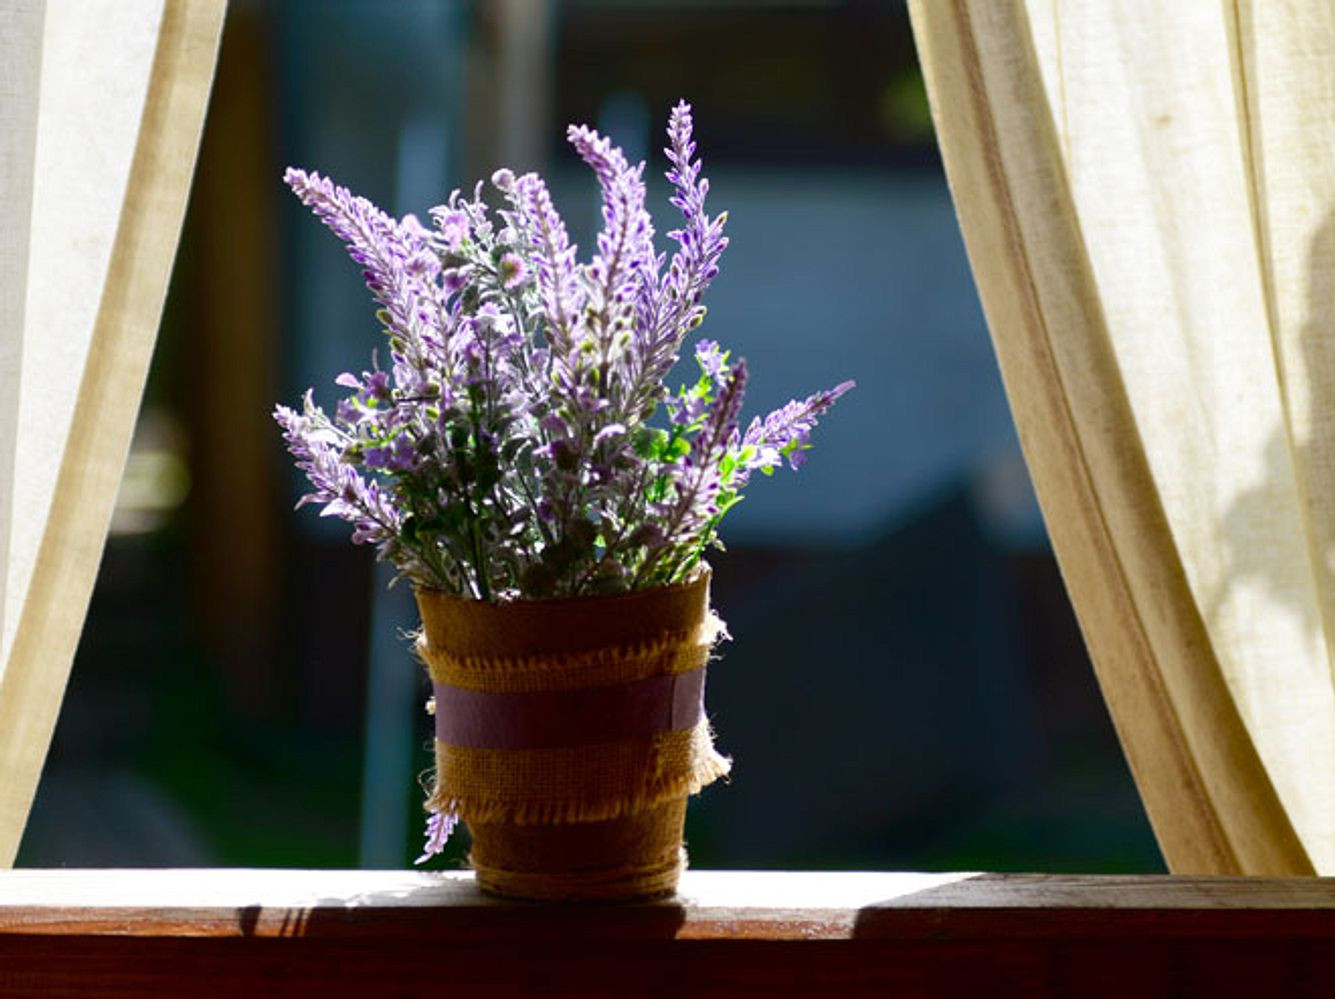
(712, 360)
(514, 271)
(553, 261)
(452, 226)
(688, 409)
(392, 253)
(701, 241)
(319, 447)
(454, 279)
(439, 827)
(625, 245)
(786, 431)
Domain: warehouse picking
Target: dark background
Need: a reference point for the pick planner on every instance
(906, 686)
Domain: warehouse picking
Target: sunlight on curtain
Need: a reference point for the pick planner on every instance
(20, 62)
(1148, 198)
(101, 106)
(88, 119)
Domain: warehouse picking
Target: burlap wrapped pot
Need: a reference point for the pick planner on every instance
(569, 734)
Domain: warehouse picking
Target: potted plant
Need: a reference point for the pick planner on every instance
(520, 461)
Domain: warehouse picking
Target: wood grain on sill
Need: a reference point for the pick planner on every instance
(245, 931)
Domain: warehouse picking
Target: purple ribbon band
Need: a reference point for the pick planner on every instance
(552, 718)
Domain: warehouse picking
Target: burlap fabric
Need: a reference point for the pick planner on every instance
(581, 815)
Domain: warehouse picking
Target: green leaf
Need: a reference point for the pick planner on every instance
(649, 442)
(454, 518)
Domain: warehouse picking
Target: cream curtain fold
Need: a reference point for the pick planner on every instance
(101, 108)
(1147, 195)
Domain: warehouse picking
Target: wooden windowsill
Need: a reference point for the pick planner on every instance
(247, 932)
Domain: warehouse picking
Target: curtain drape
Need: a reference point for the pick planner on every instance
(1147, 195)
(101, 107)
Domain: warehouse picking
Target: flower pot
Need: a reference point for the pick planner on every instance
(569, 734)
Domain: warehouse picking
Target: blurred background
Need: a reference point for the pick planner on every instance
(906, 686)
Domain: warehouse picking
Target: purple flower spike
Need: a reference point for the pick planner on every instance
(625, 246)
(553, 258)
(701, 239)
(439, 827)
(672, 309)
(395, 255)
(785, 432)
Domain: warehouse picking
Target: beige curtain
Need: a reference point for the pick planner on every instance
(1147, 194)
(101, 106)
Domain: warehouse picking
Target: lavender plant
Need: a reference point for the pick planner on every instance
(512, 444)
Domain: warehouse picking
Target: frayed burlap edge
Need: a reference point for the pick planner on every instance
(628, 777)
(666, 655)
